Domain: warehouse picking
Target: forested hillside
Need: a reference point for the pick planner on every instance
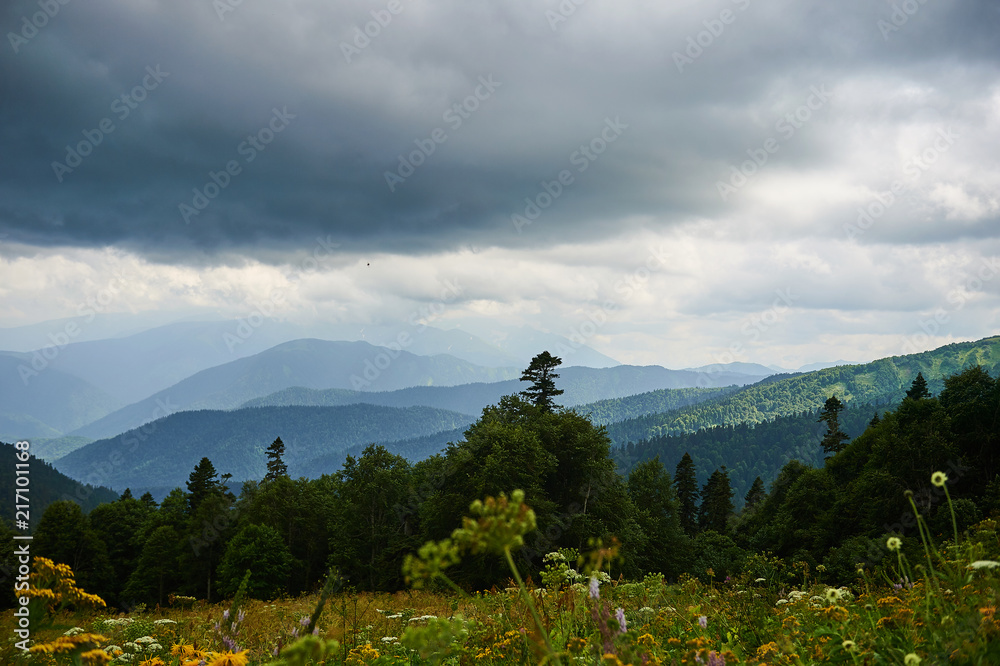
(747, 450)
(880, 382)
(46, 486)
(161, 453)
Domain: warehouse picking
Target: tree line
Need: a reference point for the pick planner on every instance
(364, 519)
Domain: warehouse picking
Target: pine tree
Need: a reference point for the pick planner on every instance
(835, 438)
(127, 495)
(687, 494)
(201, 483)
(875, 420)
(755, 495)
(716, 502)
(276, 467)
(918, 389)
(540, 374)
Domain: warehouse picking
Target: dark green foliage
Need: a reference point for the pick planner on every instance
(64, 534)
(658, 515)
(715, 557)
(369, 533)
(755, 495)
(276, 466)
(834, 438)
(119, 526)
(47, 486)
(202, 482)
(687, 494)
(260, 550)
(918, 389)
(716, 503)
(157, 572)
(541, 373)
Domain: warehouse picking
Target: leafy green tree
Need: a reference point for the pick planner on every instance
(918, 390)
(834, 439)
(120, 526)
(657, 511)
(687, 494)
(158, 571)
(261, 550)
(276, 466)
(64, 534)
(542, 377)
(368, 534)
(716, 502)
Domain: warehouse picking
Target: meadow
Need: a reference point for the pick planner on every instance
(935, 609)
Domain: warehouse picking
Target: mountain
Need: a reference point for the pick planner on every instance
(580, 386)
(318, 364)
(163, 453)
(884, 381)
(39, 401)
(47, 486)
(737, 367)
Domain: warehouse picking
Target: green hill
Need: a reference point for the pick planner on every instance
(46, 486)
(880, 382)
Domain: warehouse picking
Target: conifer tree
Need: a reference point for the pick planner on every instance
(687, 494)
(543, 387)
(201, 483)
(716, 502)
(276, 466)
(835, 438)
(918, 389)
(755, 495)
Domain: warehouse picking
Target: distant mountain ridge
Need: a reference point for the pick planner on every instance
(165, 452)
(319, 364)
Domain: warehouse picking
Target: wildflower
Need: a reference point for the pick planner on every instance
(832, 595)
(595, 589)
(760, 580)
(984, 564)
(703, 621)
(850, 646)
(164, 621)
(893, 543)
(74, 631)
(229, 659)
(939, 478)
(912, 659)
(304, 621)
(620, 616)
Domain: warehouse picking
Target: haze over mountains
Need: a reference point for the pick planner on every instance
(169, 395)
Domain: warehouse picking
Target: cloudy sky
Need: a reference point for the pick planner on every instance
(680, 183)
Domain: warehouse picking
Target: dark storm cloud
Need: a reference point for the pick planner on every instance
(345, 124)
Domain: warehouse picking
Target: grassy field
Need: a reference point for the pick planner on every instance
(937, 609)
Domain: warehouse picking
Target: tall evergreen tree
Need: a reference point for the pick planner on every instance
(716, 502)
(835, 439)
(755, 495)
(201, 483)
(276, 466)
(918, 389)
(652, 493)
(687, 494)
(543, 387)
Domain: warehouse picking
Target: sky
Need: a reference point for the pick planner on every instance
(676, 183)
